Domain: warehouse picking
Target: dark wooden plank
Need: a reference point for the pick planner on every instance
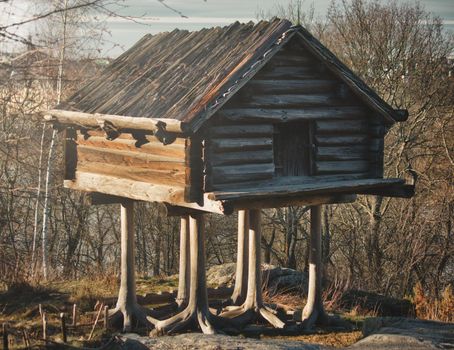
(342, 140)
(275, 86)
(342, 153)
(287, 115)
(290, 72)
(294, 100)
(342, 167)
(236, 173)
(238, 158)
(341, 126)
(319, 187)
(241, 130)
(240, 144)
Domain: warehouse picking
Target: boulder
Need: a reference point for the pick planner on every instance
(275, 278)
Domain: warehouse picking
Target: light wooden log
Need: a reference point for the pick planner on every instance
(44, 326)
(120, 122)
(146, 175)
(91, 182)
(74, 318)
(241, 130)
(288, 115)
(127, 158)
(240, 144)
(154, 146)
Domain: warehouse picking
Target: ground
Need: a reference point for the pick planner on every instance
(19, 308)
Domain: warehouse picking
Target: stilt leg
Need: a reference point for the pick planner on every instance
(239, 292)
(253, 305)
(127, 308)
(314, 312)
(196, 311)
(183, 277)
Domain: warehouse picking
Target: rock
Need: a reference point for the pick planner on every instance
(211, 342)
(380, 304)
(404, 333)
(276, 278)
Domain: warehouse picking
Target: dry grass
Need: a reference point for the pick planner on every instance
(432, 308)
(334, 339)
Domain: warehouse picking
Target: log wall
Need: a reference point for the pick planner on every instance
(346, 136)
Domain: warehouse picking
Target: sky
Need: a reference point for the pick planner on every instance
(155, 17)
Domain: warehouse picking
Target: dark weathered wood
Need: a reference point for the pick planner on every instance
(239, 158)
(5, 336)
(319, 187)
(341, 71)
(342, 167)
(290, 72)
(69, 153)
(292, 59)
(236, 173)
(398, 191)
(241, 130)
(359, 152)
(287, 115)
(96, 198)
(342, 140)
(294, 100)
(240, 144)
(274, 86)
(342, 126)
(193, 163)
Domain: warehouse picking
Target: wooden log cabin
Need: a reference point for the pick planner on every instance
(243, 117)
(249, 115)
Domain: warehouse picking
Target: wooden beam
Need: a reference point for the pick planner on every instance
(97, 198)
(94, 120)
(288, 115)
(397, 191)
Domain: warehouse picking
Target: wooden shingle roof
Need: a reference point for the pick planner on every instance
(187, 76)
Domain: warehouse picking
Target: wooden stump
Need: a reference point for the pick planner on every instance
(253, 305)
(127, 308)
(196, 312)
(314, 312)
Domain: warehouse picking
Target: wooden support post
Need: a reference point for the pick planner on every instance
(197, 309)
(127, 307)
(63, 327)
(106, 317)
(241, 275)
(314, 312)
(253, 305)
(44, 319)
(5, 336)
(74, 315)
(184, 272)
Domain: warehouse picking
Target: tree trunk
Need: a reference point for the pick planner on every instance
(184, 273)
(253, 305)
(239, 292)
(314, 312)
(127, 307)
